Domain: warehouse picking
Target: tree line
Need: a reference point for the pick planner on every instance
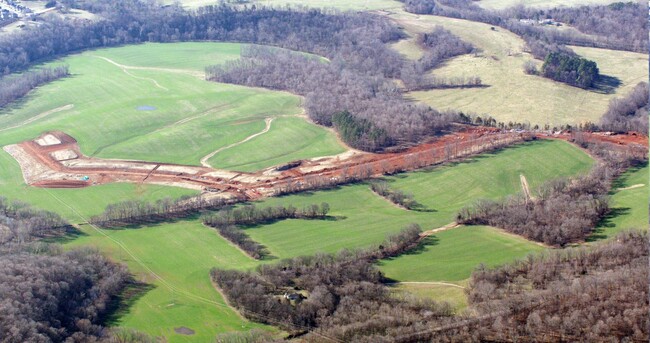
(13, 88)
(20, 223)
(419, 6)
(438, 46)
(629, 113)
(577, 294)
(227, 220)
(135, 212)
(46, 294)
(564, 210)
(397, 197)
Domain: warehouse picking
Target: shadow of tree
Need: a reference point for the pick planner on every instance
(606, 84)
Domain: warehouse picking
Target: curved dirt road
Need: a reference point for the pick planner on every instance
(204, 160)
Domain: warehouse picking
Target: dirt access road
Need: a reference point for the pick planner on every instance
(54, 160)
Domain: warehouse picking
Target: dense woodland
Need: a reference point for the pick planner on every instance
(47, 295)
(629, 113)
(573, 70)
(562, 211)
(586, 294)
(13, 88)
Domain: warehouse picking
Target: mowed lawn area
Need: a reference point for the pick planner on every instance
(512, 95)
(184, 119)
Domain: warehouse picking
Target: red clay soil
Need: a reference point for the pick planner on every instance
(468, 140)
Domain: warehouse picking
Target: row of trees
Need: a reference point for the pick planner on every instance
(564, 210)
(13, 88)
(47, 295)
(397, 197)
(133, 212)
(252, 215)
(629, 113)
(573, 70)
(226, 221)
(579, 294)
(419, 6)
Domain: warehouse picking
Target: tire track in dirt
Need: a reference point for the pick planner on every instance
(39, 116)
(524, 186)
(204, 160)
(194, 73)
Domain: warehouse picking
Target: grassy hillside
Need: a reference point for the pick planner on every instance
(192, 117)
(629, 202)
(306, 140)
(512, 95)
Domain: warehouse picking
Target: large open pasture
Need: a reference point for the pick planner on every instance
(139, 102)
(512, 95)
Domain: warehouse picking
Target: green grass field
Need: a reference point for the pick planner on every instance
(452, 255)
(512, 95)
(629, 203)
(180, 255)
(306, 140)
(453, 295)
(192, 118)
(363, 218)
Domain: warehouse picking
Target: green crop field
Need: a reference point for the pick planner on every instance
(175, 261)
(192, 117)
(629, 203)
(512, 95)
